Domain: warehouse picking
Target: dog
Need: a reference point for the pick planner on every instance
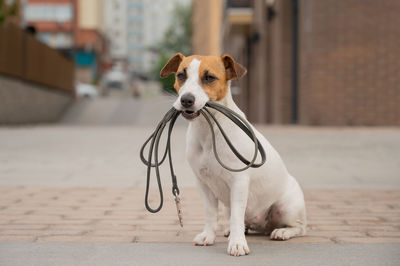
(265, 199)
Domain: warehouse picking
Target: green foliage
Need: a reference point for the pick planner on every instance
(177, 39)
(2, 12)
(13, 9)
(6, 10)
(178, 36)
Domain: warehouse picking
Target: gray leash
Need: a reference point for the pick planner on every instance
(170, 117)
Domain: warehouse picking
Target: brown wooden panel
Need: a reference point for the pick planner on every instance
(25, 57)
(11, 51)
(47, 66)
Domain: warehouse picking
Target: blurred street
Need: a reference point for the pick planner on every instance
(121, 108)
(81, 181)
(99, 155)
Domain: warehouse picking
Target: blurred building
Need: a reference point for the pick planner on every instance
(53, 20)
(74, 27)
(115, 19)
(147, 22)
(207, 26)
(135, 27)
(135, 38)
(90, 47)
(310, 62)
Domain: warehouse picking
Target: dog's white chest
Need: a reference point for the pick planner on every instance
(208, 171)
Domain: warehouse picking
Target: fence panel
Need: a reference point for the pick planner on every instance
(11, 51)
(47, 66)
(23, 56)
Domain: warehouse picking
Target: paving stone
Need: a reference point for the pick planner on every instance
(56, 216)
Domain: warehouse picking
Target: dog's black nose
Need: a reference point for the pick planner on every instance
(187, 100)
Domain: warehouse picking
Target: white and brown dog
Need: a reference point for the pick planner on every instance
(266, 199)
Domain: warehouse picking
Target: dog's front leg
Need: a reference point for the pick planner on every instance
(207, 237)
(239, 193)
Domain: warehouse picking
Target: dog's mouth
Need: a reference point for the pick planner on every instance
(190, 115)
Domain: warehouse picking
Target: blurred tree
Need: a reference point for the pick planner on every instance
(7, 10)
(177, 39)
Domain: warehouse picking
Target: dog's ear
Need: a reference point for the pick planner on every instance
(233, 70)
(172, 65)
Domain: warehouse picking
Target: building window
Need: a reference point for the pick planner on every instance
(48, 12)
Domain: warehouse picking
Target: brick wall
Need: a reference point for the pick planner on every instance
(280, 59)
(349, 62)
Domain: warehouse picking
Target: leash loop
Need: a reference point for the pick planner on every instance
(170, 117)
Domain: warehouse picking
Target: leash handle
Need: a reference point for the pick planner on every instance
(242, 124)
(170, 117)
(154, 141)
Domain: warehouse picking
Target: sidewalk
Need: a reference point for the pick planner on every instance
(77, 190)
(99, 254)
(118, 215)
(108, 156)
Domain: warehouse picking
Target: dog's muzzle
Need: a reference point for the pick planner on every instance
(190, 115)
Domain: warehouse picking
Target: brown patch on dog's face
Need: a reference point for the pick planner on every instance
(212, 77)
(213, 74)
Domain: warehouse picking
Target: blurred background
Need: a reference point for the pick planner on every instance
(310, 62)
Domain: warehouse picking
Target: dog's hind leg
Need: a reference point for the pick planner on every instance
(296, 228)
(289, 214)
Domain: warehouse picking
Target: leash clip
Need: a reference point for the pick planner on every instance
(178, 208)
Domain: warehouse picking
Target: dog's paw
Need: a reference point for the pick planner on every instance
(281, 234)
(238, 247)
(205, 238)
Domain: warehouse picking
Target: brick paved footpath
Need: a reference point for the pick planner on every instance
(118, 215)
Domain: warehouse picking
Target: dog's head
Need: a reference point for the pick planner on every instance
(199, 79)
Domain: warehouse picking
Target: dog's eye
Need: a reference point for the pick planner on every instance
(208, 78)
(181, 76)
